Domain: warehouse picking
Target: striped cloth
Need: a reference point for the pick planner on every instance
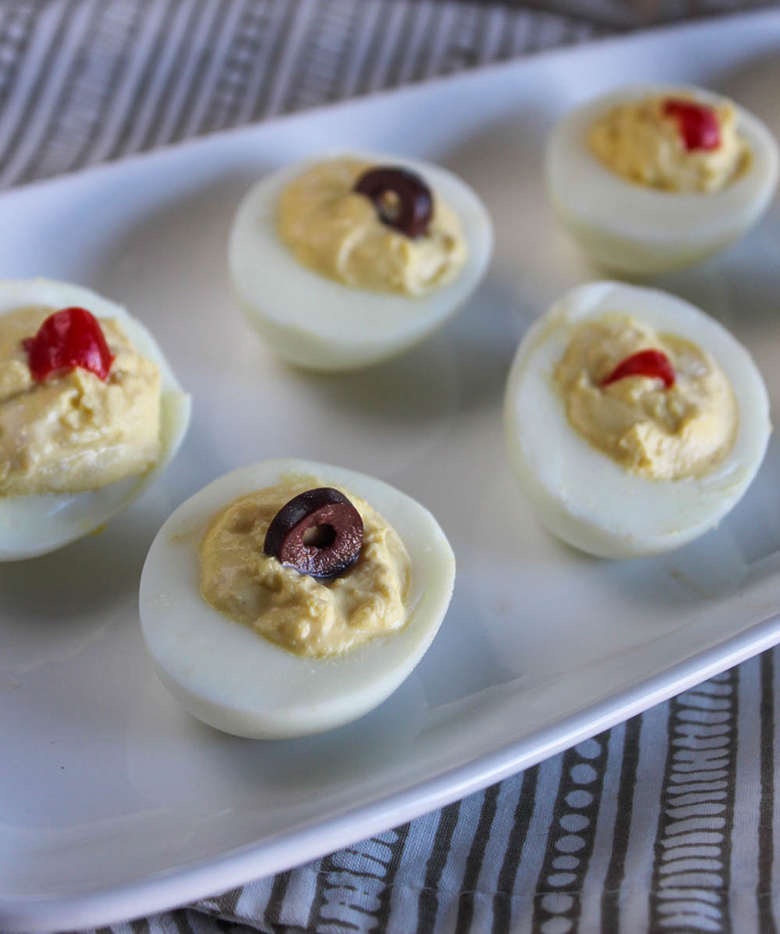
(665, 823)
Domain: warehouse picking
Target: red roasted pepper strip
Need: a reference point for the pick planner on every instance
(651, 363)
(67, 339)
(697, 123)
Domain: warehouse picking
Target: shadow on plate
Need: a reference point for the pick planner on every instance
(79, 582)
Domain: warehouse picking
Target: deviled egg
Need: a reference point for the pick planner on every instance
(634, 421)
(255, 635)
(90, 413)
(344, 262)
(657, 177)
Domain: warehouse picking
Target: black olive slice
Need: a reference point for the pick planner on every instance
(402, 199)
(318, 532)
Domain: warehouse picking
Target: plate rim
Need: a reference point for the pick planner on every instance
(212, 875)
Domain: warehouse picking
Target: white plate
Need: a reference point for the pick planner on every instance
(114, 802)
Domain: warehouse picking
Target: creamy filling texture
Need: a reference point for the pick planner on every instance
(656, 432)
(642, 143)
(338, 233)
(74, 432)
(305, 616)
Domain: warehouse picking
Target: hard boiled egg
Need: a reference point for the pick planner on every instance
(230, 677)
(639, 230)
(36, 524)
(318, 323)
(583, 495)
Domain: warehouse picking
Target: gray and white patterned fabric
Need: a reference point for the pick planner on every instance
(665, 823)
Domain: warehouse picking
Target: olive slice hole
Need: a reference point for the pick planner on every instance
(319, 536)
(389, 206)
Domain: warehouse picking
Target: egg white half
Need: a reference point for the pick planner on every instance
(315, 322)
(35, 525)
(230, 677)
(641, 231)
(580, 493)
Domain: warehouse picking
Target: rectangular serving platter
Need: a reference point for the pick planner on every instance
(115, 803)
